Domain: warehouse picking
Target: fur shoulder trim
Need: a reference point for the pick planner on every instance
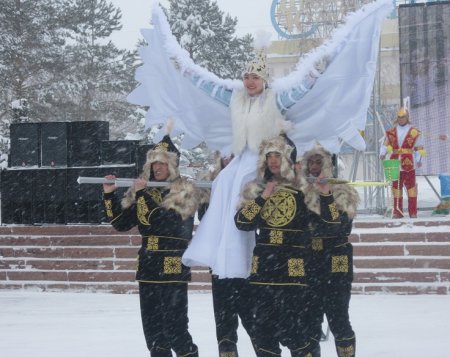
(251, 190)
(182, 198)
(346, 198)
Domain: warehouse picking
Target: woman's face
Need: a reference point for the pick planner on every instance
(254, 84)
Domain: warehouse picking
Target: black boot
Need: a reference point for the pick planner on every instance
(192, 353)
(346, 347)
(228, 348)
(160, 352)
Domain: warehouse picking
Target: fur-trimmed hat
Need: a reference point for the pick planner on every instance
(345, 196)
(258, 65)
(165, 151)
(284, 146)
(327, 163)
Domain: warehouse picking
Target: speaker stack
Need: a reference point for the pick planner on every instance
(46, 159)
(25, 151)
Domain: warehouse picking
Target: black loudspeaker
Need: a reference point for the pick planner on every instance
(54, 144)
(24, 144)
(141, 156)
(49, 197)
(17, 187)
(120, 152)
(84, 142)
(83, 203)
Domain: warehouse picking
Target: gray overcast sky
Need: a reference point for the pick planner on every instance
(253, 15)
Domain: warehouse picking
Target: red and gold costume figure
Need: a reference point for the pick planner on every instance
(403, 142)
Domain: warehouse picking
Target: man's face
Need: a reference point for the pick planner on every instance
(160, 171)
(402, 120)
(273, 160)
(253, 83)
(315, 164)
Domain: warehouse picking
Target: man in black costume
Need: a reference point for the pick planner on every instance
(164, 217)
(331, 254)
(274, 206)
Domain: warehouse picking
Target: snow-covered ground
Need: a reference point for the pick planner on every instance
(105, 325)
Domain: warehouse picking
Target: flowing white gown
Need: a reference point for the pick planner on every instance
(332, 111)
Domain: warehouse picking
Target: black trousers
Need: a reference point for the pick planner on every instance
(281, 316)
(164, 313)
(331, 285)
(231, 300)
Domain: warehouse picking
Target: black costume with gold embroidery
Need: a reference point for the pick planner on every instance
(165, 219)
(283, 221)
(161, 275)
(280, 267)
(165, 236)
(332, 260)
(280, 272)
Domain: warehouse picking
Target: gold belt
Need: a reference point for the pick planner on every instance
(403, 151)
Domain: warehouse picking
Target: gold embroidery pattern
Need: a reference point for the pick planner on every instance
(334, 211)
(339, 264)
(345, 351)
(142, 211)
(162, 147)
(153, 243)
(172, 265)
(227, 354)
(407, 162)
(296, 267)
(276, 237)
(397, 193)
(108, 207)
(155, 194)
(255, 262)
(414, 133)
(279, 210)
(412, 192)
(317, 244)
(251, 210)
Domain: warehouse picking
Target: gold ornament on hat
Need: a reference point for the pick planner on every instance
(402, 112)
(258, 65)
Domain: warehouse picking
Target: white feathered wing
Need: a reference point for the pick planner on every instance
(335, 108)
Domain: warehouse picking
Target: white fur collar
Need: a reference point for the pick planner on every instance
(254, 119)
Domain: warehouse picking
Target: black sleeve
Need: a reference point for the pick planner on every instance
(121, 219)
(202, 210)
(248, 217)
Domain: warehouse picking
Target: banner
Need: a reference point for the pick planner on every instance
(424, 77)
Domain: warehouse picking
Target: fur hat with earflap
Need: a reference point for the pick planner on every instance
(286, 148)
(165, 151)
(345, 196)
